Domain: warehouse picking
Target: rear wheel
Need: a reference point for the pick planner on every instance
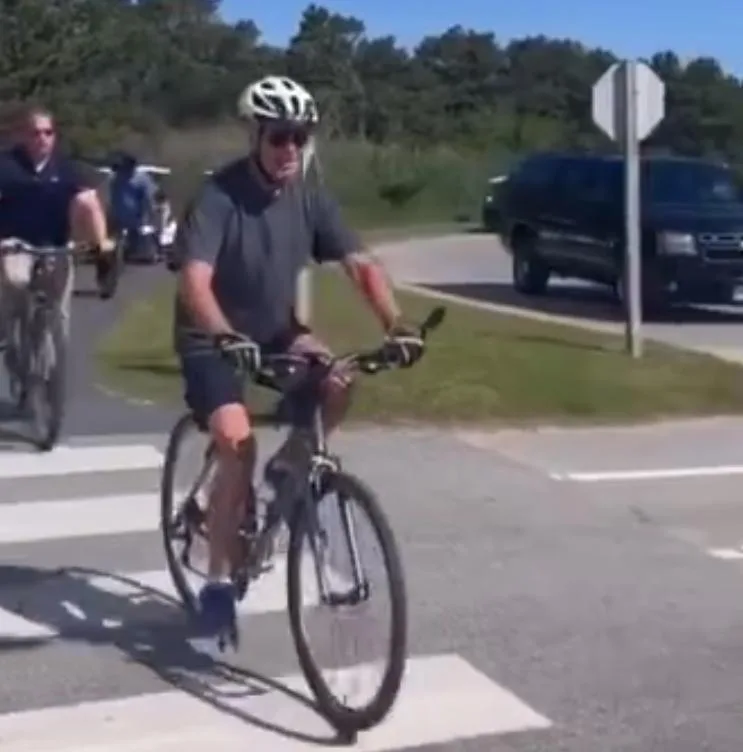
(183, 512)
(348, 595)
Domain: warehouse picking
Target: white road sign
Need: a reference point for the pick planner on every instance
(628, 102)
(609, 101)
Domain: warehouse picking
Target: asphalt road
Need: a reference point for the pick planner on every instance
(546, 614)
(574, 590)
(476, 267)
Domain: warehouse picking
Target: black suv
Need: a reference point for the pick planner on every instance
(563, 214)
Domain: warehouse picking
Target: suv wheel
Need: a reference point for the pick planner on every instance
(530, 274)
(654, 300)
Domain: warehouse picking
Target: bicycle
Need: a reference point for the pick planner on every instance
(297, 378)
(36, 350)
(107, 280)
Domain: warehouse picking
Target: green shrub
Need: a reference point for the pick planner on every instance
(377, 185)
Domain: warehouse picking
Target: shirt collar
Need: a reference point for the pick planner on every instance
(25, 160)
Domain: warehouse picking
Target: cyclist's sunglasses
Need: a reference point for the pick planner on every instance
(48, 132)
(298, 136)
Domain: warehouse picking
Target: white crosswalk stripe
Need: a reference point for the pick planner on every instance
(112, 579)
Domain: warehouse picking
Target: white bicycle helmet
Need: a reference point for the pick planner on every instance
(278, 98)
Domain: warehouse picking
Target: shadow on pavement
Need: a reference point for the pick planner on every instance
(90, 293)
(583, 302)
(147, 626)
(152, 368)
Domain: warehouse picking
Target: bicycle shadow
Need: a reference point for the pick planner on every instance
(150, 629)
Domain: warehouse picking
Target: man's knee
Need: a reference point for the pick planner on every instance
(229, 426)
(16, 270)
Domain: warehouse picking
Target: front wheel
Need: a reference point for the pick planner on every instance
(530, 274)
(47, 377)
(16, 361)
(346, 595)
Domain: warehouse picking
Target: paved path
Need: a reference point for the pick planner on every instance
(475, 266)
(545, 615)
(92, 410)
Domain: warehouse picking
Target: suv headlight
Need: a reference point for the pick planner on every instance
(676, 244)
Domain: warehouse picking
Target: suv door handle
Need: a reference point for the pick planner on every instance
(557, 220)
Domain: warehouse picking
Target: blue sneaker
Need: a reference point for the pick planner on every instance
(217, 613)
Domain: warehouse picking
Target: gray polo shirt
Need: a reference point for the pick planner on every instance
(258, 242)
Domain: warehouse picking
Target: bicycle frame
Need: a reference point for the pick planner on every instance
(301, 407)
(322, 465)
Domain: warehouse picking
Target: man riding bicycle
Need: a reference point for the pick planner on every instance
(45, 200)
(133, 198)
(244, 240)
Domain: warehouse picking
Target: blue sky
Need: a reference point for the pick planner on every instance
(628, 28)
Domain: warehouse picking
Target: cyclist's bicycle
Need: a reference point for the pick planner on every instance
(36, 350)
(298, 378)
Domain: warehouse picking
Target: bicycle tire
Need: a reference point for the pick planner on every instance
(51, 387)
(184, 425)
(344, 719)
(16, 361)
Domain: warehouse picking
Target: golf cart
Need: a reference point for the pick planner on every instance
(155, 237)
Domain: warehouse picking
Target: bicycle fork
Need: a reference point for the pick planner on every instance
(359, 590)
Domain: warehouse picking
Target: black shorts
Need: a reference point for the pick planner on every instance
(210, 381)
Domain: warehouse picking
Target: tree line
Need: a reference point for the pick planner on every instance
(112, 66)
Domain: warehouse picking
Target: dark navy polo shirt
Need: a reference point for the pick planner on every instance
(34, 204)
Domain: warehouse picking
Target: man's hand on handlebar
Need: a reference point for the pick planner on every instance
(242, 351)
(404, 345)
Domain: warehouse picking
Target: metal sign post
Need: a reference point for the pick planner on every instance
(632, 260)
(628, 102)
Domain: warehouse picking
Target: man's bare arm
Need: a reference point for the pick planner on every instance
(369, 276)
(195, 290)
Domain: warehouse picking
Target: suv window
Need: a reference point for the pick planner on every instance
(575, 177)
(689, 183)
(589, 180)
(537, 171)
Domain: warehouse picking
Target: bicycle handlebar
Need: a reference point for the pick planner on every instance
(10, 246)
(291, 366)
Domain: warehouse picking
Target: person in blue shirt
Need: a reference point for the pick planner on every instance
(45, 199)
(133, 198)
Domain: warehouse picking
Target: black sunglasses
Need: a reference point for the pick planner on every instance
(282, 136)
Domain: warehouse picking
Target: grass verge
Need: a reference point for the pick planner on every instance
(480, 368)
